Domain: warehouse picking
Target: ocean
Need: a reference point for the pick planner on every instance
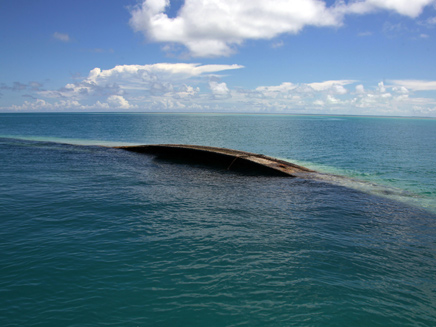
(93, 235)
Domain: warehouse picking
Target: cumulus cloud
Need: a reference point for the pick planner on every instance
(156, 79)
(114, 102)
(144, 73)
(117, 101)
(125, 86)
(185, 92)
(360, 89)
(191, 87)
(331, 99)
(323, 97)
(400, 90)
(300, 95)
(283, 90)
(63, 37)
(42, 105)
(335, 86)
(381, 87)
(277, 89)
(213, 27)
(394, 98)
(210, 28)
(82, 90)
(219, 90)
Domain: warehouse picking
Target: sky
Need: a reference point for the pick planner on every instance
(354, 57)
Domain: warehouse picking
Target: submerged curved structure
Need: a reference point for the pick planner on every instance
(229, 159)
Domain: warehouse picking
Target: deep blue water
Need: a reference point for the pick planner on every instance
(91, 235)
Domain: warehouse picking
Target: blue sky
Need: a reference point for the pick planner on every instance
(362, 57)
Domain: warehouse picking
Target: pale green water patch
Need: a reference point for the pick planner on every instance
(398, 190)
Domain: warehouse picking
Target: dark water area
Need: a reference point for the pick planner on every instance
(99, 236)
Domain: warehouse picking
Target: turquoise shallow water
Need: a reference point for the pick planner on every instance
(92, 235)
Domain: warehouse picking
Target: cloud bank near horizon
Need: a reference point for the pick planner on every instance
(215, 28)
(199, 88)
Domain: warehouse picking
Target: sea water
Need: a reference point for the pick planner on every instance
(92, 235)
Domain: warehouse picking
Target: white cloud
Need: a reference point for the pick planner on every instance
(118, 102)
(165, 104)
(219, 90)
(289, 89)
(360, 89)
(381, 87)
(82, 90)
(274, 91)
(42, 105)
(335, 86)
(114, 102)
(331, 99)
(211, 28)
(61, 37)
(177, 87)
(411, 8)
(321, 97)
(129, 87)
(157, 79)
(184, 92)
(415, 85)
(400, 90)
(144, 73)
